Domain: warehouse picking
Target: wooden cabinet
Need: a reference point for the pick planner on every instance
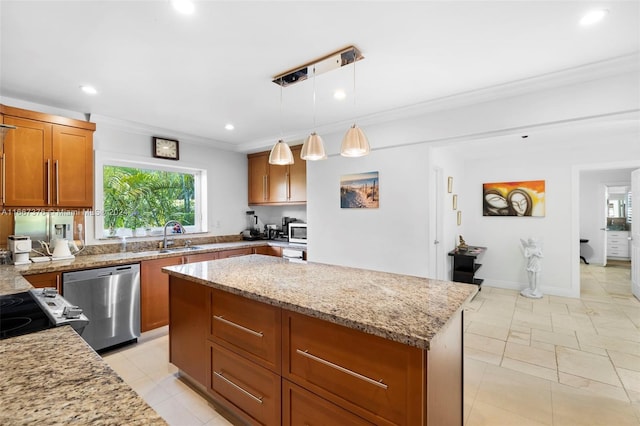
(47, 279)
(375, 378)
(189, 325)
(47, 160)
(268, 251)
(277, 185)
(200, 257)
(301, 407)
(618, 244)
(154, 292)
(235, 252)
(465, 265)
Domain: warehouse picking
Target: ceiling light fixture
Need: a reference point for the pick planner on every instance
(313, 147)
(281, 154)
(229, 126)
(355, 142)
(89, 90)
(186, 7)
(593, 16)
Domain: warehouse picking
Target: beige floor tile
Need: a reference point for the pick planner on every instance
(589, 366)
(487, 330)
(594, 350)
(532, 320)
(631, 334)
(490, 415)
(150, 390)
(572, 322)
(197, 405)
(567, 340)
(519, 336)
(518, 393)
(624, 360)
(480, 355)
(531, 355)
(176, 414)
(484, 343)
(630, 379)
(595, 388)
(542, 345)
(610, 343)
(558, 308)
(530, 369)
(488, 318)
(575, 407)
(125, 369)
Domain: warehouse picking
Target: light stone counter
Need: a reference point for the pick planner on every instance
(406, 309)
(54, 378)
(12, 281)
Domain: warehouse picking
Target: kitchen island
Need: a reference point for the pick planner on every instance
(287, 343)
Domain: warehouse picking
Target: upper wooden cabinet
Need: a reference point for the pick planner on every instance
(47, 160)
(277, 185)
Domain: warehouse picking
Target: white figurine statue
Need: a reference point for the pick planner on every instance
(533, 254)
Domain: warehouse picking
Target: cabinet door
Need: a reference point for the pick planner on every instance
(72, 167)
(278, 183)
(301, 407)
(154, 292)
(189, 325)
(258, 178)
(200, 257)
(28, 164)
(297, 178)
(48, 279)
(235, 253)
(268, 250)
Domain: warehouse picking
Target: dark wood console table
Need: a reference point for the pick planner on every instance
(465, 265)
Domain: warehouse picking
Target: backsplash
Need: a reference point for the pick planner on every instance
(137, 246)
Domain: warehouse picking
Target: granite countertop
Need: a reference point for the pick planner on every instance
(54, 378)
(406, 309)
(12, 281)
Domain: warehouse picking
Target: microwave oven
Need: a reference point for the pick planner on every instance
(298, 233)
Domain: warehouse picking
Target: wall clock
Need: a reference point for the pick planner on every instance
(165, 148)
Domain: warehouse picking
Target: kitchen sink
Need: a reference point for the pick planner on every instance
(177, 249)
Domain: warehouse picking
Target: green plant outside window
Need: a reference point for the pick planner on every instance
(135, 198)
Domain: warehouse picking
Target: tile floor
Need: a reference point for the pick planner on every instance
(553, 361)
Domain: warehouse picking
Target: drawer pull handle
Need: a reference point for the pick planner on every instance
(344, 370)
(233, 324)
(249, 394)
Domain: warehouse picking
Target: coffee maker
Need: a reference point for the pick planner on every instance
(20, 247)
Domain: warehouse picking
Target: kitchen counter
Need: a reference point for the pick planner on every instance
(53, 377)
(401, 308)
(12, 281)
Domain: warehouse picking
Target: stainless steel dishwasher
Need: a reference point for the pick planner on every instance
(110, 298)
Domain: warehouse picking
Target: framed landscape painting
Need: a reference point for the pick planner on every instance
(526, 198)
(360, 191)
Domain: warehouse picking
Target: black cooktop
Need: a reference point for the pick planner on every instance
(21, 314)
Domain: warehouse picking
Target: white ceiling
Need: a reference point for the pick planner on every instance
(193, 74)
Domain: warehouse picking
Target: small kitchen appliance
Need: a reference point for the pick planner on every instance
(37, 310)
(297, 233)
(20, 247)
(253, 231)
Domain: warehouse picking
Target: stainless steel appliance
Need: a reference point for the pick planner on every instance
(297, 233)
(111, 298)
(37, 310)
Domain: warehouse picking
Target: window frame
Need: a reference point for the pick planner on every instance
(200, 190)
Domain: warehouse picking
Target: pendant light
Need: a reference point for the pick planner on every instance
(355, 142)
(281, 154)
(313, 147)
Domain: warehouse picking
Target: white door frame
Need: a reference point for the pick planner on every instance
(635, 235)
(575, 213)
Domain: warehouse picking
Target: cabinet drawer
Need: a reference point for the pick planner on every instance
(247, 327)
(235, 252)
(251, 388)
(301, 407)
(374, 378)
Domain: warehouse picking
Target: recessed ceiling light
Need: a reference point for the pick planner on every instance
(89, 90)
(339, 94)
(229, 126)
(593, 16)
(186, 7)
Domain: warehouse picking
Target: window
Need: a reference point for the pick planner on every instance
(137, 200)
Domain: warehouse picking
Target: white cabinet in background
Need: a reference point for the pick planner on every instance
(618, 244)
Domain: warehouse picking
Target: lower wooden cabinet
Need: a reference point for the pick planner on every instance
(47, 279)
(189, 325)
(301, 407)
(252, 389)
(268, 251)
(154, 292)
(235, 252)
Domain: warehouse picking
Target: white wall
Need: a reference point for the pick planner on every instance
(593, 209)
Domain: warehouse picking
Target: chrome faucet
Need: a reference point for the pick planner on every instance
(165, 242)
